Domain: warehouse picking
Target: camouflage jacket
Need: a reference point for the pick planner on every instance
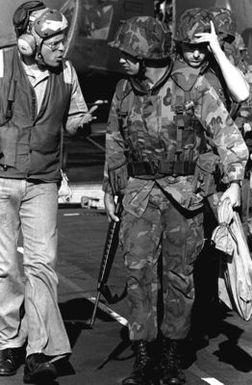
(215, 78)
(244, 121)
(148, 133)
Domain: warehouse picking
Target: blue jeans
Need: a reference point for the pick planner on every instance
(31, 208)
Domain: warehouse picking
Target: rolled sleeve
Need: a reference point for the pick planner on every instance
(78, 106)
(222, 130)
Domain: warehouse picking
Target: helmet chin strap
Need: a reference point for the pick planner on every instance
(142, 69)
(38, 55)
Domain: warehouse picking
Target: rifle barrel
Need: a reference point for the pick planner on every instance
(95, 309)
(108, 250)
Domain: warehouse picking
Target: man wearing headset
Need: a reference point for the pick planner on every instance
(39, 94)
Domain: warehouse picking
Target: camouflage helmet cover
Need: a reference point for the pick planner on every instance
(224, 22)
(192, 21)
(239, 42)
(143, 37)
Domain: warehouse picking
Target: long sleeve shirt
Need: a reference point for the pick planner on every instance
(39, 78)
(151, 134)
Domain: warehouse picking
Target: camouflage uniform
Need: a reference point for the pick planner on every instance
(161, 206)
(156, 140)
(244, 122)
(207, 264)
(235, 49)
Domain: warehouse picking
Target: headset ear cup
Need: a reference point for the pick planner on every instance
(26, 44)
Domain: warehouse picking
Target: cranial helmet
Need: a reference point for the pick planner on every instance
(22, 14)
(40, 24)
(225, 23)
(143, 37)
(192, 21)
(50, 23)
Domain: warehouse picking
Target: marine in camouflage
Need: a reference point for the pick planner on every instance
(143, 38)
(225, 23)
(192, 21)
(155, 129)
(151, 133)
(239, 52)
(231, 41)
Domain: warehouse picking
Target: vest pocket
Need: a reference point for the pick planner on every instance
(8, 146)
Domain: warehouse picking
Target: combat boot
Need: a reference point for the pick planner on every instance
(170, 364)
(142, 371)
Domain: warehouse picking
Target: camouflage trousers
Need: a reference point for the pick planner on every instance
(167, 234)
(245, 207)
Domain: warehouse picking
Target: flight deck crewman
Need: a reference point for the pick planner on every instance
(39, 93)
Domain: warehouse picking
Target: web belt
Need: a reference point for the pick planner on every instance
(161, 168)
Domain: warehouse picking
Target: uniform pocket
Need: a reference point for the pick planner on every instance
(194, 238)
(8, 146)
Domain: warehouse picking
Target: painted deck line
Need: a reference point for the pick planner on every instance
(203, 375)
(109, 311)
(212, 381)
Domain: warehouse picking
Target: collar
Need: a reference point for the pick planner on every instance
(184, 75)
(35, 74)
(142, 86)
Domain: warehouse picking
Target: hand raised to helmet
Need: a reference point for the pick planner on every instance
(210, 38)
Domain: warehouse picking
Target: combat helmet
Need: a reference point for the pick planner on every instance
(239, 52)
(191, 22)
(143, 37)
(225, 23)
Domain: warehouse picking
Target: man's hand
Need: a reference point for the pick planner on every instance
(233, 193)
(110, 207)
(88, 117)
(210, 38)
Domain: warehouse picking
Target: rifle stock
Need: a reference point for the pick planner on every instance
(109, 251)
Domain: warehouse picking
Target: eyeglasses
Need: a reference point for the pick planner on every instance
(55, 45)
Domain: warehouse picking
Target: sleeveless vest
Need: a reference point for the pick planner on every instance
(30, 141)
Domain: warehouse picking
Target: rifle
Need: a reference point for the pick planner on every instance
(110, 248)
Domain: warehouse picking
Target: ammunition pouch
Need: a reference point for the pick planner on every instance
(118, 179)
(160, 168)
(207, 174)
